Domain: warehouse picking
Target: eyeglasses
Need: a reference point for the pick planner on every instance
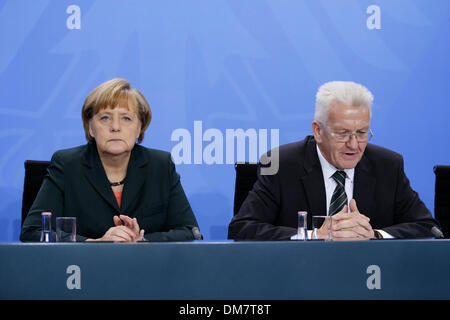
(345, 136)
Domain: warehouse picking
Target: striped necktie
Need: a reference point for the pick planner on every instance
(339, 197)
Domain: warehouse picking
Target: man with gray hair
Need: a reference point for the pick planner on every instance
(335, 172)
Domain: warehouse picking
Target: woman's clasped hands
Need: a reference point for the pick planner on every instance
(125, 229)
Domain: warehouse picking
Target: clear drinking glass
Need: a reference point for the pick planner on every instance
(66, 229)
(324, 224)
(302, 233)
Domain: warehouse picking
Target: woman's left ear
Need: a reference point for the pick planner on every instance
(91, 130)
(138, 134)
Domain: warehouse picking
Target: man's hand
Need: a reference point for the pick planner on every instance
(351, 225)
(324, 231)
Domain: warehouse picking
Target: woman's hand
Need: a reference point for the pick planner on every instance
(131, 224)
(129, 232)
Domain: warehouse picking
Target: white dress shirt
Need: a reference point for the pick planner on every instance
(330, 184)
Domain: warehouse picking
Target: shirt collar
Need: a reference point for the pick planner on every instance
(328, 169)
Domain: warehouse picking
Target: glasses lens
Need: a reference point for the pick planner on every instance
(362, 136)
(342, 137)
(345, 137)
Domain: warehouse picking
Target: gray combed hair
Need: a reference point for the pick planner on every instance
(344, 92)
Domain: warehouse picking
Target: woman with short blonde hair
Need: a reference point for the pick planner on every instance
(117, 189)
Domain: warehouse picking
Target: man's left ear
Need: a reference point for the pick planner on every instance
(316, 131)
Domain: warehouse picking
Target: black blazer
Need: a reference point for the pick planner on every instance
(76, 186)
(381, 190)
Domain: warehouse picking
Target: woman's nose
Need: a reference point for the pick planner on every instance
(115, 124)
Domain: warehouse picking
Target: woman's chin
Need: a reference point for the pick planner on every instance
(115, 152)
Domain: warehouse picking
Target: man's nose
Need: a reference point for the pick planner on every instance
(352, 142)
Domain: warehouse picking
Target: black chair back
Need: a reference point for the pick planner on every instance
(34, 174)
(246, 175)
(442, 198)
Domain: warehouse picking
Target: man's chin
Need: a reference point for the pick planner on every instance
(348, 163)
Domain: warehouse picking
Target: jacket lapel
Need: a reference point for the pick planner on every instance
(95, 174)
(313, 181)
(136, 176)
(364, 188)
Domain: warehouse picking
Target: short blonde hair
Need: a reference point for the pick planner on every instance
(344, 92)
(113, 93)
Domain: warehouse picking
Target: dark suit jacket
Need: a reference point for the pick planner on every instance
(381, 190)
(76, 186)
